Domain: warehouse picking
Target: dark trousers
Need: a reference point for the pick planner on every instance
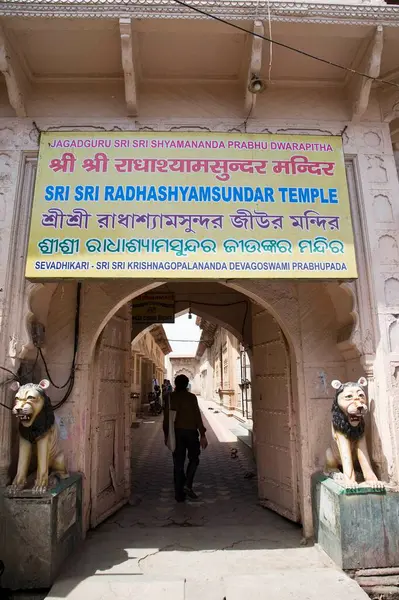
(187, 442)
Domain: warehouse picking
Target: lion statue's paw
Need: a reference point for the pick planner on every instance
(343, 481)
(340, 478)
(16, 486)
(41, 485)
(38, 490)
(373, 484)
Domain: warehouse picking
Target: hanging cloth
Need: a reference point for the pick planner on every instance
(171, 441)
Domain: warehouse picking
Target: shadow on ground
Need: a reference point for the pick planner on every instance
(225, 533)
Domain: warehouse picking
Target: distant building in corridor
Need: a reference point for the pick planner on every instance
(224, 369)
(220, 370)
(184, 364)
(148, 362)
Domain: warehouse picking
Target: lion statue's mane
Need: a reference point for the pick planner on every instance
(340, 420)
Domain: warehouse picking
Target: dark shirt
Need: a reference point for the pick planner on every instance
(188, 414)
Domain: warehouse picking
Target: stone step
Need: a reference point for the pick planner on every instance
(367, 582)
(295, 584)
(383, 592)
(379, 584)
(292, 584)
(115, 587)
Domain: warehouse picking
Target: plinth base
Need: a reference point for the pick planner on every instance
(357, 529)
(40, 533)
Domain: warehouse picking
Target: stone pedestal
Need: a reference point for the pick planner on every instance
(357, 529)
(39, 534)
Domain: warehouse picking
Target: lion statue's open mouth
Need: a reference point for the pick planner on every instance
(24, 412)
(355, 420)
(24, 417)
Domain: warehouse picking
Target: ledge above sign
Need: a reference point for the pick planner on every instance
(153, 307)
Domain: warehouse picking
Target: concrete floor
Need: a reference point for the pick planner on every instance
(223, 547)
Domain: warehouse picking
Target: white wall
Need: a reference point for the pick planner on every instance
(207, 382)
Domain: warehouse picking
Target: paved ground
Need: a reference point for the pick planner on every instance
(224, 547)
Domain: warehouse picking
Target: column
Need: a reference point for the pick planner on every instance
(378, 187)
(134, 388)
(17, 176)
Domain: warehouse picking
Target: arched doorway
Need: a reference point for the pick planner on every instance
(315, 324)
(275, 426)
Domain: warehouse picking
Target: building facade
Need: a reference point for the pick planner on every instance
(149, 351)
(224, 369)
(219, 372)
(184, 365)
(104, 67)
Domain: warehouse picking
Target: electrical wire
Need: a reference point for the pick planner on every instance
(179, 295)
(246, 302)
(212, 303)
(8, 371)
(34, 364)
(286, 46)
(271, 41)
(5, 383)
(71, 379)
(191, 341)
(244, 124)
(75, 349)
(15, 377)
(58, 387)
(67, 394)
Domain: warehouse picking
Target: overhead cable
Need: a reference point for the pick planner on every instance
(286, 46)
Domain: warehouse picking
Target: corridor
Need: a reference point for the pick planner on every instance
(223, 546)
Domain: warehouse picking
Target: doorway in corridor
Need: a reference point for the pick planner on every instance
(272, 402)
(244, 377)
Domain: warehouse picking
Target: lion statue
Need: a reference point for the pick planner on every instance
(37, 428)
(348, 430)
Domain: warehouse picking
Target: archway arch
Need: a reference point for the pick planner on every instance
(187, 372)
(139, 331)
(277, 298)
(303, 311)
(236, 312)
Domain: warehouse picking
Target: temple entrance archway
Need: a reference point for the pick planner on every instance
(275, 427)
(294, 333)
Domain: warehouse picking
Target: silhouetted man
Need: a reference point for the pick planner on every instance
(189, 435)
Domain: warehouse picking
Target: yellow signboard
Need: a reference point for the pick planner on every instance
(164, 205)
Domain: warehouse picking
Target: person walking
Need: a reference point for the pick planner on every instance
(166, 390)
(185, 436)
